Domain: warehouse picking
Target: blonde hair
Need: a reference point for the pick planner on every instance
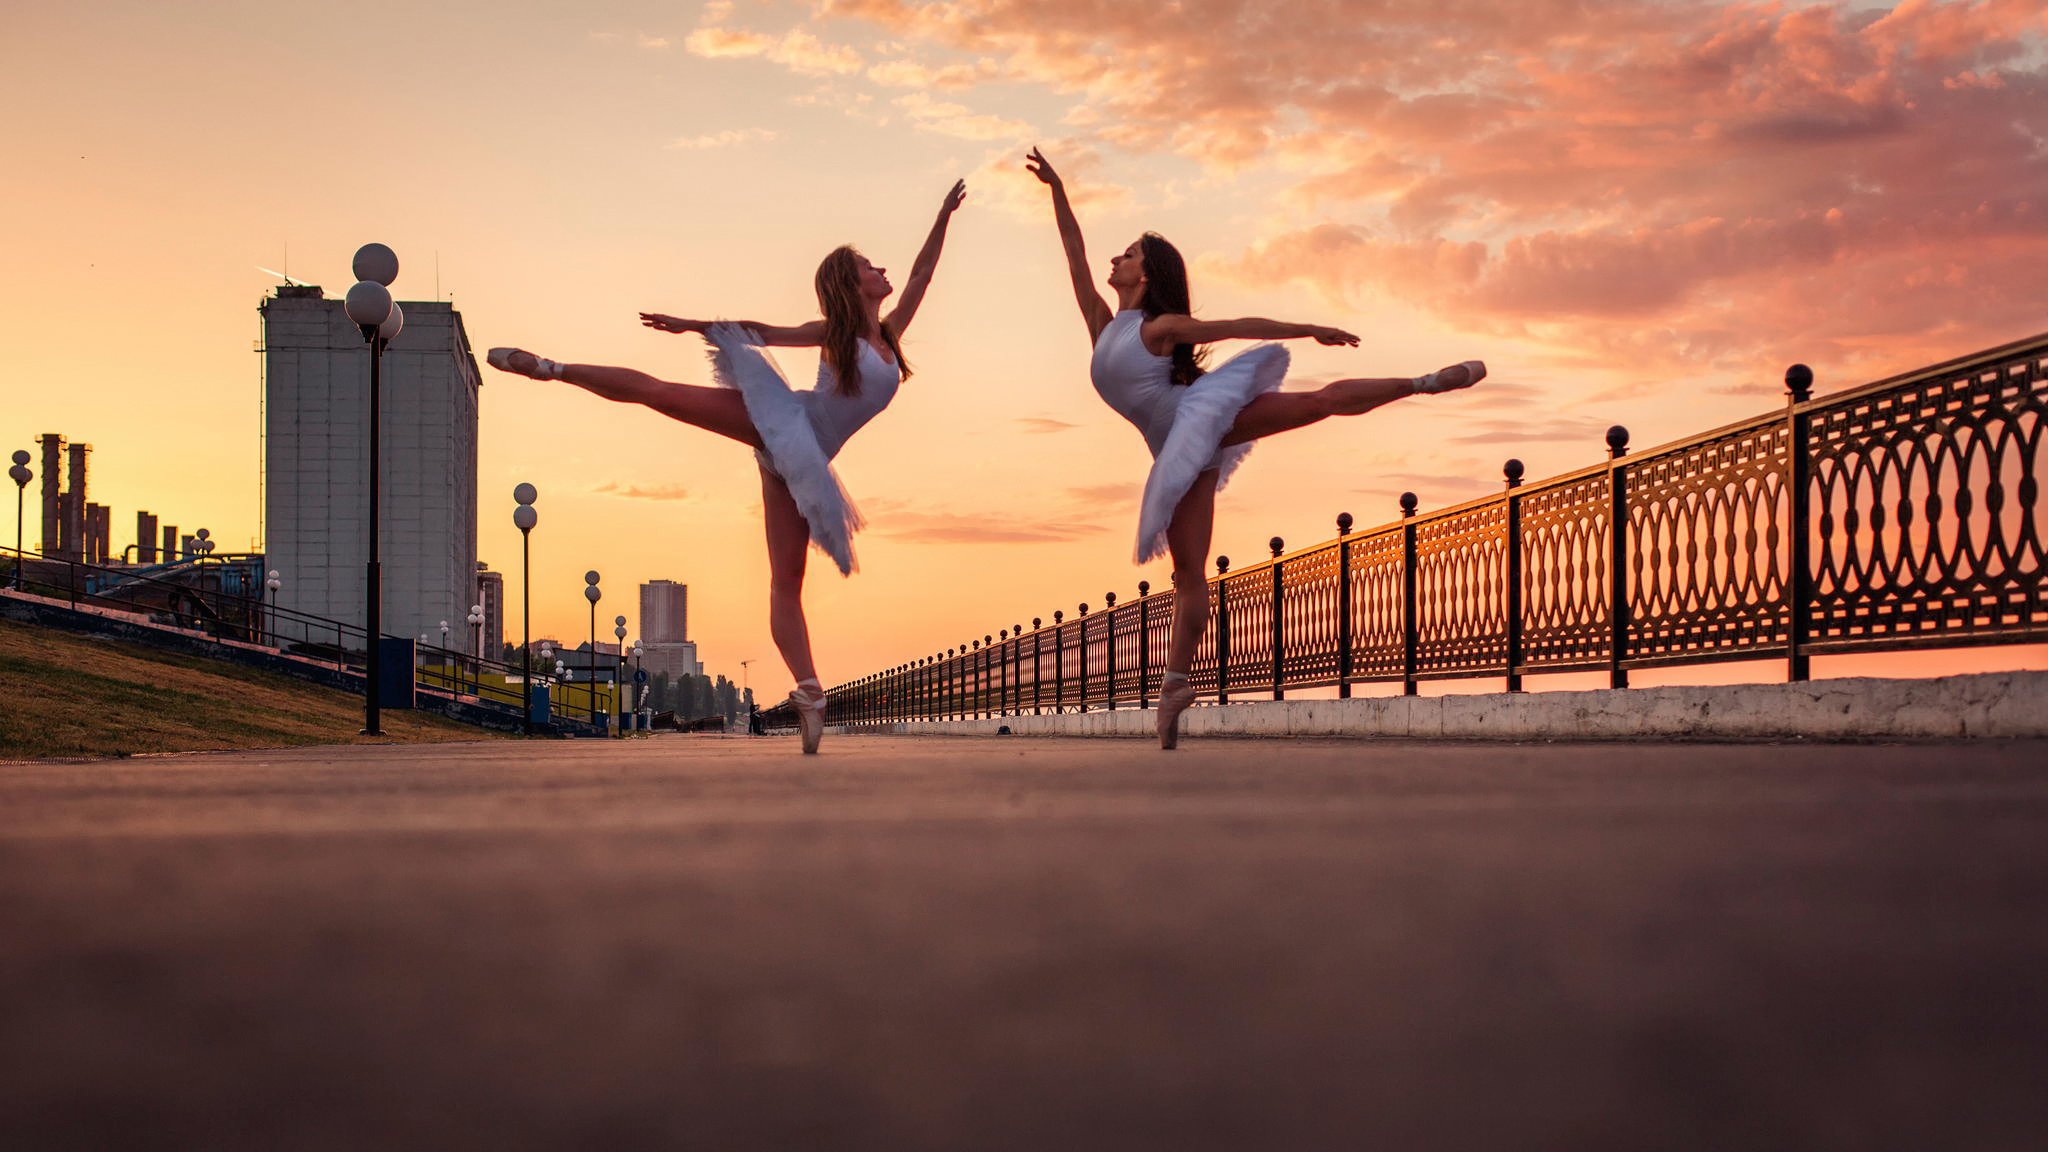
(838, 285)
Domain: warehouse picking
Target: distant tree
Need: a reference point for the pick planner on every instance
(657, 699)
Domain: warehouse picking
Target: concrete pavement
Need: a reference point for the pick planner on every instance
(1011, 943)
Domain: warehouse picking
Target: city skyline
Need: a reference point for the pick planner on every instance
(1739, 188)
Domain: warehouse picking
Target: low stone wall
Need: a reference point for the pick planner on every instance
(1986, 705)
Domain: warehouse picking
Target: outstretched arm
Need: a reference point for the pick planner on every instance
(806, 335)
(1095, 311)
(927, 262)
(1188, 330)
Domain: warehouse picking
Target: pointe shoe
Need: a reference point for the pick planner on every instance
(810, 718)
(1173, 700)
(1451, 379)
(520, 362)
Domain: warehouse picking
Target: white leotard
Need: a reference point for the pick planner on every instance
(1133, 381)
(835, 416)
(802, 431)
(1183, 425)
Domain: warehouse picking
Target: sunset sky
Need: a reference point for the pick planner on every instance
(1636, 212)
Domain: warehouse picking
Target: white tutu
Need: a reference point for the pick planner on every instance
(1201, 420)
(790, 444)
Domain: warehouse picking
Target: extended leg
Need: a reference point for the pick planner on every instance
(1286, 411)
(719, 410)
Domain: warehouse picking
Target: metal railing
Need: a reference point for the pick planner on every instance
(1903, 514)
(213, 601)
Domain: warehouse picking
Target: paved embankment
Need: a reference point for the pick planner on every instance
(1029, 944)
(1999, 705)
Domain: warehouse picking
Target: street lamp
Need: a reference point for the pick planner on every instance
(370, 307)
(271, 583)
(447, 681)
(620, 632)
(524, 518)
(591, 593)
(637, 690)
(476, 632)
(21, 476)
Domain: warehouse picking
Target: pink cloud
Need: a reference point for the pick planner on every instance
(1673, 184)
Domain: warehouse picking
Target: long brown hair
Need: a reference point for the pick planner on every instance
(1166, 294)
(838, 284)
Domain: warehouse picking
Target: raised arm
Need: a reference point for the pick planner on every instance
(927, 262)
(1167, 330)
(806, 335)
(1095, 311)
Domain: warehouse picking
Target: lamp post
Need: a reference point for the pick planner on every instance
(202, 545)
(620, 691)
(637, 652)
(447, 681)
(271, 583)
(21, 475)
(591, 593)
(370, 308)
(524, 518)
(476, 647)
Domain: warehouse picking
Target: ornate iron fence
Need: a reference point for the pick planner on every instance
(1902, 514)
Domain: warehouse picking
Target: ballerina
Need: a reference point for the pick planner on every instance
(794, 434)
(1199, 423)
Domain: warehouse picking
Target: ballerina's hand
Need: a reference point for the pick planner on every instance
(1038, 166)
(660, 323)
(954, 198)
(1335, 336)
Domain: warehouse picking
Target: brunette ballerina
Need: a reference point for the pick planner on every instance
(794, 434)
(1199, 422)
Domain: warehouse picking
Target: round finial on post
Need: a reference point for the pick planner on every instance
(1617, 441)
(1799, 381)
(1222, 565)
(1037, 623)
(1016, 629)
(1277, 545)
(1005, 634)
(977, 645)
(1109, 599)
(1144, 587)
(1409, 503)
(1343, 523)
(1059, 616)
(1513, 471)
(1084, 608)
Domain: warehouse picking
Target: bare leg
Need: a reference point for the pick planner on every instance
(1286, 411)
(1187, 538)
(719, 410)
(788, 537)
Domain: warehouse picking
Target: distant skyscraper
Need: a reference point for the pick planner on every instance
(316, 480)
(664, 612)
(490, 592)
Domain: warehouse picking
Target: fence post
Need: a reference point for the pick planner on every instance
(1411, 630)
(1082, 648)
(977, 697)
(1017, 669)
(1059, 663)
(1343, 605)
(1798, 477)
(988, 655)
(1512, 470)
(1279, 615)
(1109, 681)
(1222, 630)
(1003, 673)
(1037, 670)
(1617, 557)
(1144, 639)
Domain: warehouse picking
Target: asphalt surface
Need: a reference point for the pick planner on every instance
(1030, 944)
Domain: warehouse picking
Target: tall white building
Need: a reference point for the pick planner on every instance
(316, 453)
